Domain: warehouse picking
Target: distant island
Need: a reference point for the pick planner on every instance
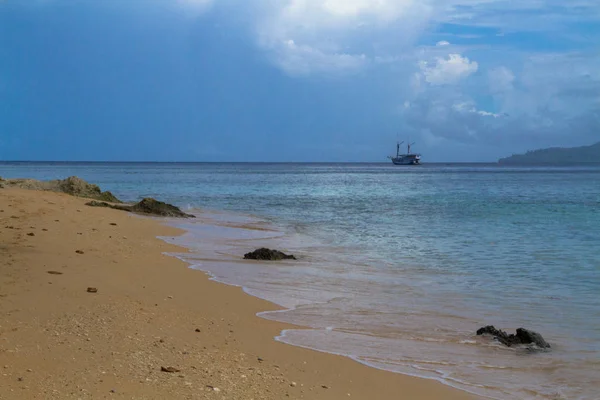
(557, 155)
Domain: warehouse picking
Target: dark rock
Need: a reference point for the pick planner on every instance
(31, 234)
(197, 330)
(55, 273)
(526, 336)
(92, 290)
(155, 207)
(105, 204)
(523, 337)
(169, 369)
(268, 254)
(79, 251)
(148, 206)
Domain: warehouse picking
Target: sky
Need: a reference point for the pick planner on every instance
(296, 80)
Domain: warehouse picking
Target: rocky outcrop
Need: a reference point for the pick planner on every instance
(73, 185)
(148, 206)
(155, 207)
(523, 337)
(268, 254)
(78, 187)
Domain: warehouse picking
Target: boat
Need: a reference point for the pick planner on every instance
(405, 159)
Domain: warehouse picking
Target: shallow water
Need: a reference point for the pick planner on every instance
(400, 266)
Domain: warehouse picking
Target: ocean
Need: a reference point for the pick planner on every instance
(399, 266)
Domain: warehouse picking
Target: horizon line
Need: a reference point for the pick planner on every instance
(230, 162)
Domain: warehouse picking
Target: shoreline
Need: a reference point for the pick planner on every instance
(59, 341)
(230, 254)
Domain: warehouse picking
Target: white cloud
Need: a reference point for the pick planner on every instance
(469, 107)
(324, 33)
(384, 29)
(448, 71)
(303, 59)
(552, 100)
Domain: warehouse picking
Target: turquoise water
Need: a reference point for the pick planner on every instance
(401, 265)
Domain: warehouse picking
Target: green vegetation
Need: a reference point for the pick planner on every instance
(557, 155)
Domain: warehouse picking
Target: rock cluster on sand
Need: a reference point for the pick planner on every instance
(268, 254)
(148, 206)
(78, 187)
(73, 185)
(523, 336)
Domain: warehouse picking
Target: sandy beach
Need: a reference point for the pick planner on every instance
(150, 312)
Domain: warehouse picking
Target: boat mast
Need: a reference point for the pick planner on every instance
(410, 144)
(398, 149)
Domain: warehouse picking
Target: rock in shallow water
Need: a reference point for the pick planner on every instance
(523, 336)
(268, 254)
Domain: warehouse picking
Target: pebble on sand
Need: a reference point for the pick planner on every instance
(169, 369)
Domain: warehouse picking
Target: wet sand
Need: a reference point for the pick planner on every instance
(58, 341)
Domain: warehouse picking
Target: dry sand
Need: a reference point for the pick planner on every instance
(57, 341)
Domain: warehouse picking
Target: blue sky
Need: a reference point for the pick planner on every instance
(295, 80)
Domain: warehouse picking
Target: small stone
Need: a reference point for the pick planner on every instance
(29, 370)
(113, 224)
(79, 251)
(31, 234)
(169, 369)
(197, 330)
(260, 359)
(55, 272)
(325, 386)
(169, 297)
(92, 290)
(45, 230)
(293, 384)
